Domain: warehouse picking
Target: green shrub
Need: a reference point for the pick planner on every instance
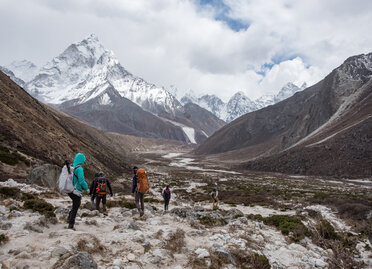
(11, 158)
(327, 231)
(288, 224)
(260, 261)
(27, 196)
(40, 206)
(3, 239)
(151, 200)
(121, 203)
(208, 221)
(9, 191)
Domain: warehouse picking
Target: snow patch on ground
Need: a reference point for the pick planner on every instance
(328, 215)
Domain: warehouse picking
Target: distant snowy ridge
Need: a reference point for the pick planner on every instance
(239, 104)
(23, 69)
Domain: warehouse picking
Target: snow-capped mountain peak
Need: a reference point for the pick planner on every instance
(238, 105)
(23, 69)
(84, 70)
(287, 91)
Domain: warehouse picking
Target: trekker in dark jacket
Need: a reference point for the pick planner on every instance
(139, 197)
(166, 193)
(100, 191)
(80, 185)
(91, 191)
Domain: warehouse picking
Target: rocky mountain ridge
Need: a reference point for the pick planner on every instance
(239, 104)
(317, 118)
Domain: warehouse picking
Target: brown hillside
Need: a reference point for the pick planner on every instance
(32, 133)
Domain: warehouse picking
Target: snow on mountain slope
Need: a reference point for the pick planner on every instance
(11, 75)
(239, 104)
(24, 69)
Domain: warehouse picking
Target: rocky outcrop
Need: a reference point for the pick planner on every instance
(46, 175)
(81, 260)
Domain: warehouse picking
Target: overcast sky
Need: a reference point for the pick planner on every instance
(209, 46)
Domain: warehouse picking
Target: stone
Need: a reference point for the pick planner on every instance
(82, 260)
(202, 253)
(146, 246)
(155, 259)
(320, 263)
(182, 212)
(131, 257)
(16, 213)
(23, 255)
(149, 208)
(62, 211)
(223, 252)
(6, 226)
(131, 225)
(235, 213)
(91, 222)
(58, 252)
(198, 208)
(32, 227)
(88, 213)
(242, 220)
(117, 262)
(197, 233)
(46, 175)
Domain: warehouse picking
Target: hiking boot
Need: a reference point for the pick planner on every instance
(71, 227)
(142, 213)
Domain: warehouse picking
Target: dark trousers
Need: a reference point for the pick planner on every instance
(166, 203)
(98, 200)
(139, 202)
(92, 197)
(76, 201)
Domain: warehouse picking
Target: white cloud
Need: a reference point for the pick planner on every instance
(179, 42)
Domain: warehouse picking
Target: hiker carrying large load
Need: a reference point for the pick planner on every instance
(140, 186)
(101, 188)
(72, 182)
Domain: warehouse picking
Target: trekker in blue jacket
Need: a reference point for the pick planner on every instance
(80, 185)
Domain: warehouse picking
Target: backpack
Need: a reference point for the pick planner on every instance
(142, 181)
(101, 188)
(214, 194)
(166, 194)
(65, 180)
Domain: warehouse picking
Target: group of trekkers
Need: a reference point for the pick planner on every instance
(100, 187)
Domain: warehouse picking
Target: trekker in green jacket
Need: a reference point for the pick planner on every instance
(80, 185)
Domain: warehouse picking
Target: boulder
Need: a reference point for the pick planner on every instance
(202, 253)
(82, 260)
(46, 175)
(223, 252)
(182, 212)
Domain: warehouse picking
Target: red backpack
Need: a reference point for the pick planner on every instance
(101, 186)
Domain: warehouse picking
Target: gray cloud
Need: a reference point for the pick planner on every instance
(178, 42)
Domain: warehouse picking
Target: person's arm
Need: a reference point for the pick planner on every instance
(109, 186)
(91, 187)
(170, 194)
(134, 184)
(81, 180)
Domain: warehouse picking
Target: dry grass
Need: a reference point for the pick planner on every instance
(176, 241)
(91, 245)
